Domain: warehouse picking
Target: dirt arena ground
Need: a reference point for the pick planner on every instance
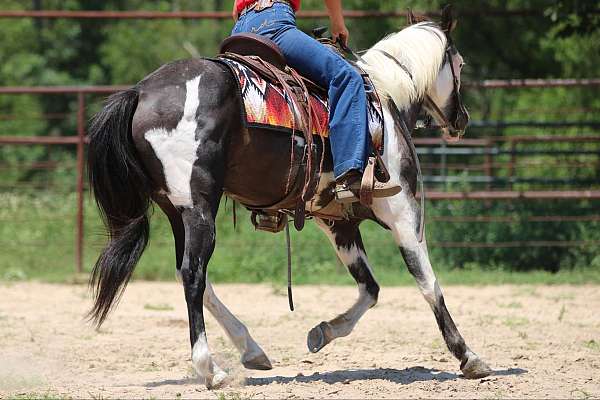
(542, 342)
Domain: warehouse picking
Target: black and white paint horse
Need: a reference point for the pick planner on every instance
(177, 138)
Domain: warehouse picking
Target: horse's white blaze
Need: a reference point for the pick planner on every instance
(442, 88)
(177, 149)
(234, 328)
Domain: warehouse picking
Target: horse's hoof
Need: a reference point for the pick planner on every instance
(260, 362)
(318, 338)
(216, 381)
(475, 368)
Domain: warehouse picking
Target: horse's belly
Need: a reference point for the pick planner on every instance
(261, 173)
(260, 166)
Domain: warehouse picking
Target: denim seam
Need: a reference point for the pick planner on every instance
(342, 168)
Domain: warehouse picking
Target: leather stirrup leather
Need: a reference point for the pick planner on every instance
(368, 183)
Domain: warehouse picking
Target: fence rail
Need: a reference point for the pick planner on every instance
(226, 15)
(485, 84)
(487, 147)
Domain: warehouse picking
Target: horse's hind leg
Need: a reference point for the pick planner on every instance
(199, 223)
(401, 214)
(345, 237)
(252, 356)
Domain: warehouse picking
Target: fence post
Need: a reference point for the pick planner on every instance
(80, 173)
(444, 164)
(513, 161)
(489, 164)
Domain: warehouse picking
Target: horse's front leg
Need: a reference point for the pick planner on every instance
(345, 237)
(199, 223)
(401, 213)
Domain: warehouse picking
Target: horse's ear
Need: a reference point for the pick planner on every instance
(448, 20)
(410, 17)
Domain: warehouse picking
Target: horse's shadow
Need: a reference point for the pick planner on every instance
(401, 377)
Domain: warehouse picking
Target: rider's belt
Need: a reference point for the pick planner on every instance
(260, 5)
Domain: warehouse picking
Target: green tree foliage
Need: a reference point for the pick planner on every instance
(553, 39)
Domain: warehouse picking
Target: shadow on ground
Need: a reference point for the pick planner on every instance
(174, 382)
(403, 377)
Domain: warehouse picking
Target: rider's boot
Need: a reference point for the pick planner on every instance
(347, 188)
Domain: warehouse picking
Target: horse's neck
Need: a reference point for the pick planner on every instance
(398, 125)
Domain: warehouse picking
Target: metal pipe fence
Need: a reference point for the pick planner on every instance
(216, 15)
(488, 147)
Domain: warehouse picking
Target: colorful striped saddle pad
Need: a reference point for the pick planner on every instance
(265, 105)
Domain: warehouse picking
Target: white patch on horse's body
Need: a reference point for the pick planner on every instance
(398, 212)
(413, 48)
(234, 328)
(177, 149)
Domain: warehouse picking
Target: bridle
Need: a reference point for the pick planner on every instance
(440, 116)
(430, 103)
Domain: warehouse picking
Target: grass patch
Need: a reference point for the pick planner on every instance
(562, 312)
(158, 307)
(38, 396)
(514, 304)
(592, 345)
(580, 394)
(38, 232)
(513, 322)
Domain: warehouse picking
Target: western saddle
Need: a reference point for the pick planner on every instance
(265, 57)
(251, 44)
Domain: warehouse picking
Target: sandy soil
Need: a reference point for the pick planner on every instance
(542, 342)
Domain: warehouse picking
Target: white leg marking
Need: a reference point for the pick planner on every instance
(204, 365)
(177, 149)
(397, 213)
(343, 324)
(234, 328)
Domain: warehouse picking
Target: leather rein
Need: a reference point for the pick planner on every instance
(428, 101)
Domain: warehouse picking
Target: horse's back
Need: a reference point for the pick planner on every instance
(189, 112)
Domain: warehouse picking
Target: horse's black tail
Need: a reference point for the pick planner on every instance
(122, 191)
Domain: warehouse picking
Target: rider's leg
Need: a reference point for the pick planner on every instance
(349, 136)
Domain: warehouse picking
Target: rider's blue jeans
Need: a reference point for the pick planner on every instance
(347, 98)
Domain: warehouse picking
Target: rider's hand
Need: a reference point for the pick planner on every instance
(340, 32)
(336, 16)
(234, 14)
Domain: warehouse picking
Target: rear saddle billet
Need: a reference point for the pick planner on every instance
(264, 56)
